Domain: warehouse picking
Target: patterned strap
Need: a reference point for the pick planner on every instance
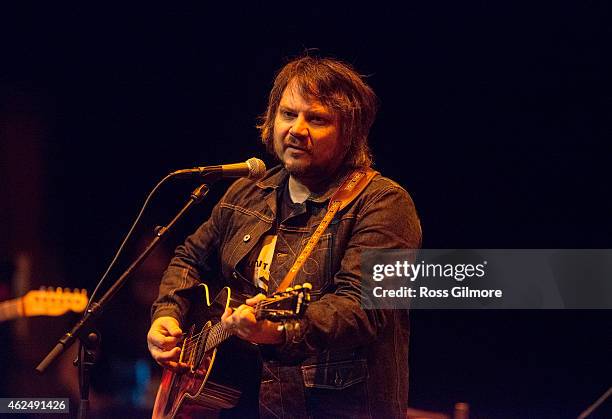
(346, 193)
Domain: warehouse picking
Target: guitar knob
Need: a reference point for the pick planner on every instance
(297, 287)
(307, 285)
(289, 289)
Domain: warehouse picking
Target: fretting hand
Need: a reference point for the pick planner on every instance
(242, 323)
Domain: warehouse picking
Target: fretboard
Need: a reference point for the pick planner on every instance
(11, 309)
(218, 334)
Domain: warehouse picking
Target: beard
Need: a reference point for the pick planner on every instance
(303, 166)
(298, 169)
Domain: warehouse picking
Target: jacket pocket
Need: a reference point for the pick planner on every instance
(317, 267)
(335, 375)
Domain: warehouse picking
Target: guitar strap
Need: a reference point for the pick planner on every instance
(350, 189)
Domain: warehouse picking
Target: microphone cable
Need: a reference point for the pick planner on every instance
(126, 238)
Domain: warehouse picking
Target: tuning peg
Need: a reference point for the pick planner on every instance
(289, 289)
(307, 285)
(297, 287)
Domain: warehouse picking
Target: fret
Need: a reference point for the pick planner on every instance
(217, 335)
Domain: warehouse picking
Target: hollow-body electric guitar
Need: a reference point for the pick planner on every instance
(220, 366)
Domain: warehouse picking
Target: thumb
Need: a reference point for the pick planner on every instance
(175, 331)
(172, 326)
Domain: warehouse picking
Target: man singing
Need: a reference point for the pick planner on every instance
(338, 360)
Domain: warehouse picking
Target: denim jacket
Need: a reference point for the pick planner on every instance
(339, 360)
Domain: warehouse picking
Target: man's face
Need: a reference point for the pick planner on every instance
(307, 138)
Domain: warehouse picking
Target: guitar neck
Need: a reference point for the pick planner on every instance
(218, 335)
(11, 309)
(270, 308)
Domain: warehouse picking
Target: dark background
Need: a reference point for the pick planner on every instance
(495, 117)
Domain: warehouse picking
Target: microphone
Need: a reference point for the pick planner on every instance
(252, 168)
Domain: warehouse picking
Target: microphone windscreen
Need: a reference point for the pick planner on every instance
(257, 168)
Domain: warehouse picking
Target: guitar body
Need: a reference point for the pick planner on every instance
(218, 377)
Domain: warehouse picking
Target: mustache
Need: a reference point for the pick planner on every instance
(294, 142)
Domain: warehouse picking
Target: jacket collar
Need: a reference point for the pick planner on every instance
(274, 178)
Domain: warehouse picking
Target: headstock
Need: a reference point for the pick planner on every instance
(287, 304)
(53, 302)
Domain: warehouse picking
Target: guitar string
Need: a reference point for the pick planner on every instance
(218, 335)
(258, 308)
(218, 330)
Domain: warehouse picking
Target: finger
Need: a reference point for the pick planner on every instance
(167, 356)
(156, 353)
(231, 324)
(245, 315)
(176, 366)
(226, 313)
(155, 339)
(170, 342)
(170, 325)
(234, 318)
(161, 341)
(243, 310)
(175, 331)
(254, 300)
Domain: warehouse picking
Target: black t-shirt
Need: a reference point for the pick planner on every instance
(286, 209)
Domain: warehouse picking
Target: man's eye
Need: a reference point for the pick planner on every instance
(288, 114)
(318, 121)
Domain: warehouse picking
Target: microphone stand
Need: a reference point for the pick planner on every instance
(85, 329)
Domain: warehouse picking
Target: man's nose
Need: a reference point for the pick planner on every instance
(299, 129)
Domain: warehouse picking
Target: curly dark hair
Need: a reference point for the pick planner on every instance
(339, 87)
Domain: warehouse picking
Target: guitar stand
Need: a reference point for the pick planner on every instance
(85, 330)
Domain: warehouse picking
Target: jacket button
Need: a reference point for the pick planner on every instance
(235, 275)
(338, 380)
(246, 238)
